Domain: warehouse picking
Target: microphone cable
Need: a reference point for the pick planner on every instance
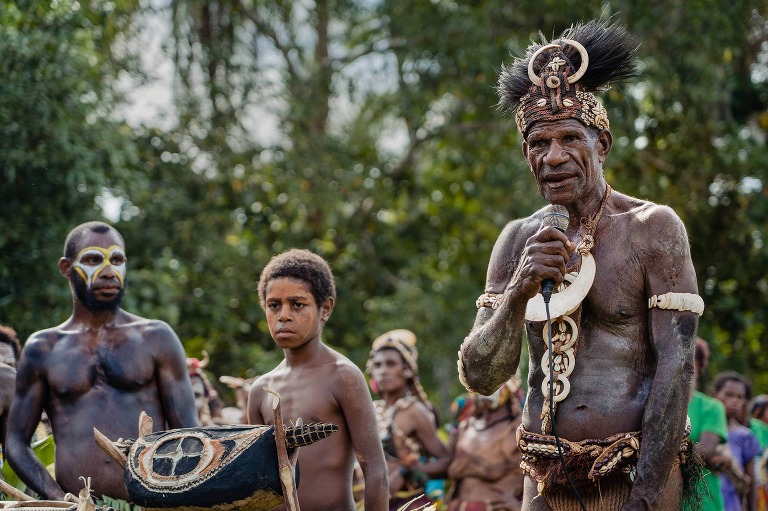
(552, 406)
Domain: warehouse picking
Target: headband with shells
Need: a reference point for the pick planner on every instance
(556, 80)
(556, 94)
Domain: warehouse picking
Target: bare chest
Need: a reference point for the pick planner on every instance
(80, 363)
(309, 400)
(610, 327)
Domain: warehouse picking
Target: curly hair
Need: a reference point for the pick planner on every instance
(8, 336)
(303, 265)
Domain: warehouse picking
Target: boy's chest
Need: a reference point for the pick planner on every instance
(309, 401)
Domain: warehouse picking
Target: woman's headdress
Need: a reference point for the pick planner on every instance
(557, 79)
(402, 340)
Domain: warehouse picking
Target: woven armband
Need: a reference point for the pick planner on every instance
(492, 300)
(678, 301)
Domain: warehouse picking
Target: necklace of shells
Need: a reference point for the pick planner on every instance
(385, 420)
(565, 308)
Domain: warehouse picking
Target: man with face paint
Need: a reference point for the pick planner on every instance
(101, 368)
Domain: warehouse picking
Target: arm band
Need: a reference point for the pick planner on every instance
(678, 301)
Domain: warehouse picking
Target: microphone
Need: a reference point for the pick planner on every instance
(557, 217)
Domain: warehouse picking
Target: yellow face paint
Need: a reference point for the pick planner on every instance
(92, 260)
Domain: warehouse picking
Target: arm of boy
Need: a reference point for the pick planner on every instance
(255, 398)
(355, 400)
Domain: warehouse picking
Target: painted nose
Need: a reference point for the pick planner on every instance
(108, 272)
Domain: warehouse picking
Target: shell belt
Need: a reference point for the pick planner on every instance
(602, 457)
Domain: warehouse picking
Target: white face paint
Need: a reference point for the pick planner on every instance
(92, 260)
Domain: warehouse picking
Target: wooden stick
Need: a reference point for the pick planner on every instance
(13, 492)
(285, 468)
(110, 448)
(145, 424)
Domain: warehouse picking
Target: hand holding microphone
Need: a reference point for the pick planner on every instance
(557, 217)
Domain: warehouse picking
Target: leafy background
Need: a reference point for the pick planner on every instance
(366, 131)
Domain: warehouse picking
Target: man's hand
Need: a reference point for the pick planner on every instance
(545, 256)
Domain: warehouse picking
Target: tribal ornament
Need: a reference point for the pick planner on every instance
(565, 333)
(602, 457)
(678, 301)
(221, 468)
(212, 467)
(557, 79)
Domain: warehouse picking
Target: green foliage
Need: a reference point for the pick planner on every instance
(367, 132)
(58, 146)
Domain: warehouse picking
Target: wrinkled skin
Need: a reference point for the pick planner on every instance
(633, 365)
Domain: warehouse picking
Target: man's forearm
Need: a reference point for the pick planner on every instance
(491, 352)
(663, 426)
(29, 469)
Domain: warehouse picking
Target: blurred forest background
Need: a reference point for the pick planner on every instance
(366, 131)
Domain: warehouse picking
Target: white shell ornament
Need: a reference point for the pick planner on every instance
(565, 301)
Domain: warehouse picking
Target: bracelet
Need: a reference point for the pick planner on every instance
(678, 301)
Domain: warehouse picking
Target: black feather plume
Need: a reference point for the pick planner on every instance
(611, 49)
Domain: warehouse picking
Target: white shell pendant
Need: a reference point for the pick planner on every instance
(566, 301)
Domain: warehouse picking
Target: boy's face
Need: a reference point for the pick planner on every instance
(293, 315)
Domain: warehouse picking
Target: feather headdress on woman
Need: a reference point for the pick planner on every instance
(556, 79)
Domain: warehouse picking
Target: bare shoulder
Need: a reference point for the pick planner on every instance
(260, 400)
(420, 411)
(7, 373)
(7, 386)
(40, 343)
(344, 367)
(154, 327)
(257, 391)
(656, 219)
(156, 332)
(655, 231)
(7, 377)
(345, 375)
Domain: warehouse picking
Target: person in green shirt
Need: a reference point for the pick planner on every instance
(709, 429)
(758, 423)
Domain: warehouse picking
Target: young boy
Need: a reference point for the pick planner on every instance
(317, 384)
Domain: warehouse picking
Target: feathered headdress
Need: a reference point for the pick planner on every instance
(556, 80)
